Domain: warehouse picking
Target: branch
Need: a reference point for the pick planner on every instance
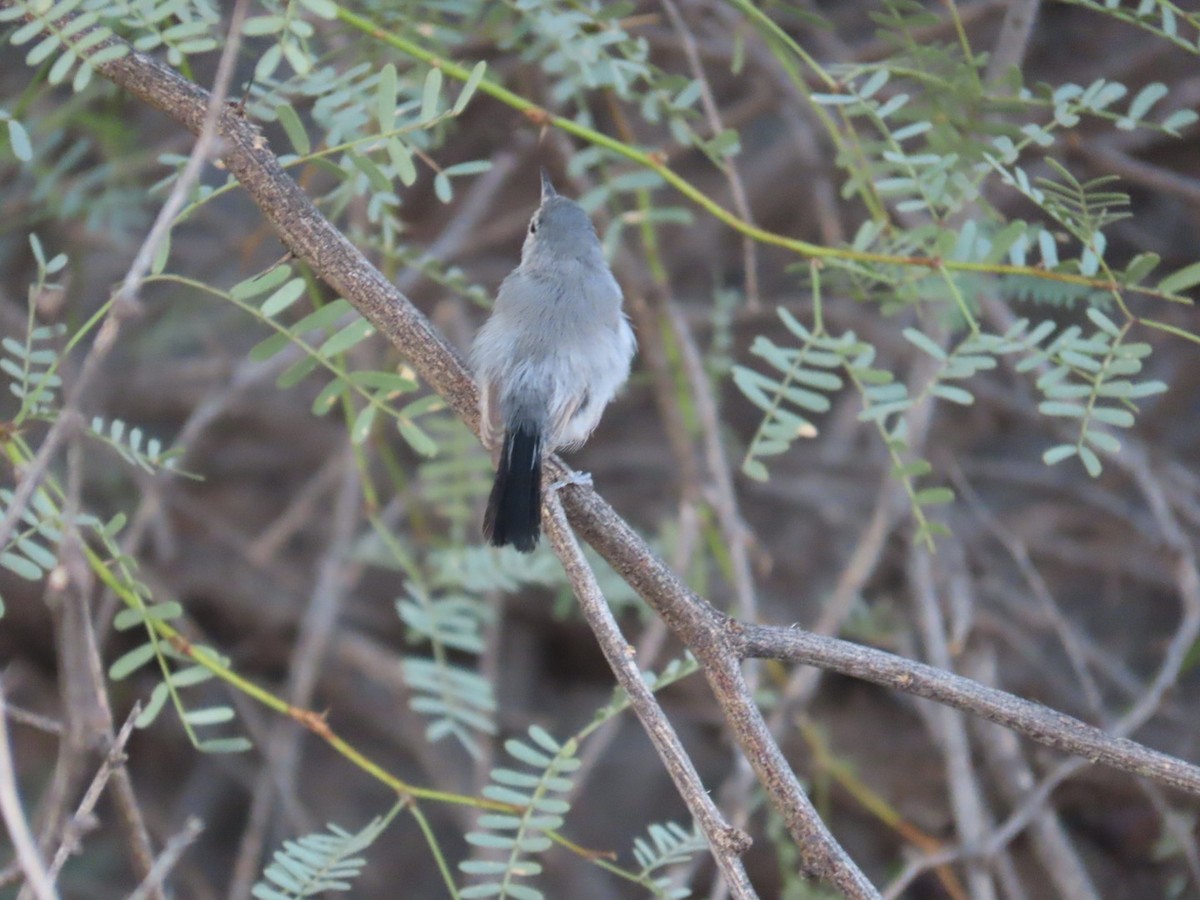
(727, 843)
(1042, 724)
(37, 879)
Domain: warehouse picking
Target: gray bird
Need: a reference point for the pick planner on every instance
(554, 352)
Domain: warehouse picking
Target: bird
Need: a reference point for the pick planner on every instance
(553, 353)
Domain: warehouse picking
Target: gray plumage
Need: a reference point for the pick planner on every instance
(548, 361)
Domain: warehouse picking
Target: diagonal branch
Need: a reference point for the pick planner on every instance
(727, 843)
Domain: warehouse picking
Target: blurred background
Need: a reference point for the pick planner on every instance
(290, 537)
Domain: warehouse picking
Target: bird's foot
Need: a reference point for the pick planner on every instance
(583, 479)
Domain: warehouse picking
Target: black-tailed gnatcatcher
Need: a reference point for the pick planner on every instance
(554, 352)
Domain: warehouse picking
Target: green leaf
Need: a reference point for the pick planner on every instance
(375, 175)
(297, 371)
(260, 26)
(402, 161)
(36, 553)
(159, 612)
(726, 143)
(872, 85)
(267, 348)
(296, 55)
(468, 91)
(18, 139)
(489, 839)
(191, 675)
(1146, 389)
(1112, 415)
(212, 715)
(324, 317)
(1141, 266)
(1185, 278)
(1003, 240)
(431, 94)
(387, 383)
(833, 99)
(326, 9)
(934, 496)
(114, 525)
(1058, 453)
(421, 442)
(914, 469)
(472, 167)
(519, 891)
(225, 745)
(442, 187)
(131, 661)
(544, 740)
(1065, 410)
(1146, 98)
(161, 254)
(483, 866)
(362, 424)
(1102, 440)
(953, 394)
(293, 128)
(385, 98)
(283, 298)
(260, 284)
(526, 754)
(477, 891)
(154, 706)
(1090, 460)
(268, 62)
(354, 333)
(1103, 322)
(1179, 120)
(923, 342)
(752, 468)
(328, 396)
(20, 566)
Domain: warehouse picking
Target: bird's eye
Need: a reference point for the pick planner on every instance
(533, 226)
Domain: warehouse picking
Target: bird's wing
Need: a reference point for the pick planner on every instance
(491, 429)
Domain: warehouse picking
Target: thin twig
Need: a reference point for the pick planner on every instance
(971, 816)
(1051, 842)
(712, 114)
(166, 860)
(727, 843)
(83, 819)
(34, 720)
(1040, 591)
(37, 878)
(721, 496)
(1013, 40)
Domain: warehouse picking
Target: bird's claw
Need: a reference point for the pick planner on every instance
(583, 479)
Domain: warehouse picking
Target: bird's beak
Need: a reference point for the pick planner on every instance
(548, 190)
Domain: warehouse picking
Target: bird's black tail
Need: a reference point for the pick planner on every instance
(514, 510)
